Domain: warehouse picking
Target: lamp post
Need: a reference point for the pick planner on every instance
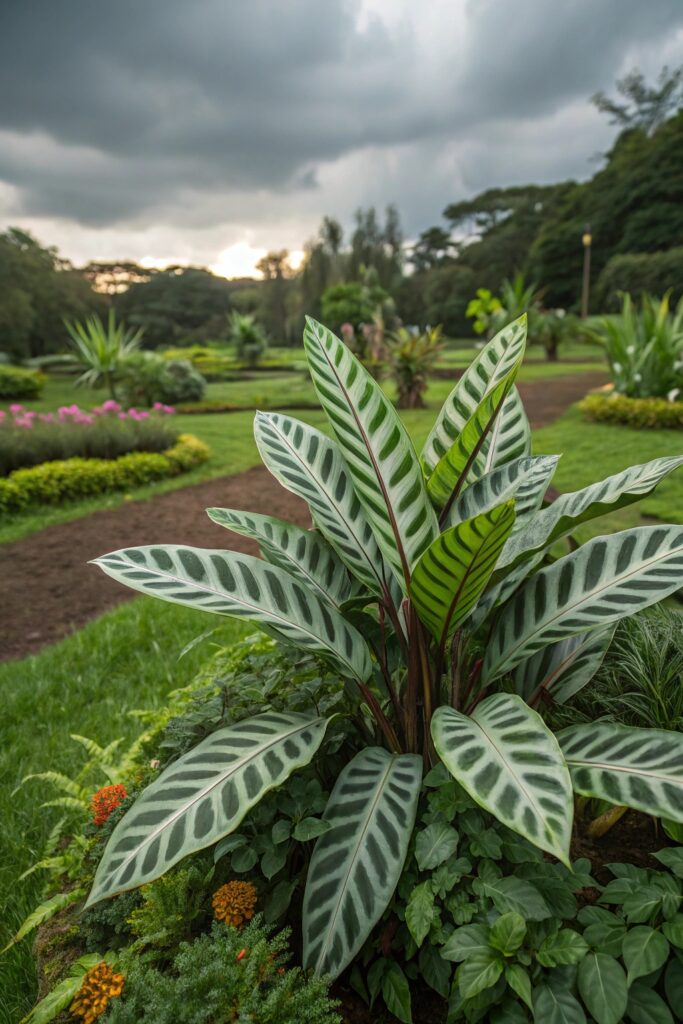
(587, 239)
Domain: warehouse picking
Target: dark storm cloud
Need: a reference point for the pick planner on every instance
(111, 110)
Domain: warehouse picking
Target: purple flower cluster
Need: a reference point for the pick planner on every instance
(21, 417)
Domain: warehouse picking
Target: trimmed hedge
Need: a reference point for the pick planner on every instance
(69, 479)
(655, 413)
(16, 382)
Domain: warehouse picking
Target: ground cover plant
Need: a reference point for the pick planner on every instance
(430, 587)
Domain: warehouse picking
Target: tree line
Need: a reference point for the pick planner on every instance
(633, 206)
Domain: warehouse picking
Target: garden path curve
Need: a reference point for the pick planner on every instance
(49, 590)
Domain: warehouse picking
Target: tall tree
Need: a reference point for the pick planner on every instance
(273, 314)
(643, 106)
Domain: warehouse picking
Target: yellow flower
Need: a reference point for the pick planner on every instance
(234, 903)
(99, 985)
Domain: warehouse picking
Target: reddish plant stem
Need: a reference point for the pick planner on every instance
(381, 719)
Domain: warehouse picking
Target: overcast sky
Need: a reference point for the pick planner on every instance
(208, 131)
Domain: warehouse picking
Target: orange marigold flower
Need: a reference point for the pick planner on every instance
(234, 903)
(99, 985)
(106, 800)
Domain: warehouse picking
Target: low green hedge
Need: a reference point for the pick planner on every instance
(16, 382)
(69, 479)
(656, 413)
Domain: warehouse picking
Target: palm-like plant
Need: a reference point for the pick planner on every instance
(101, 349)
(248, 337)
(411, 357)
(416, 566)
(644, 347)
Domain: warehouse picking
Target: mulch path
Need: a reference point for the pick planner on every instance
(49, 590)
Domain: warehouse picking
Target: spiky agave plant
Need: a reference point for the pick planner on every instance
(446, 555)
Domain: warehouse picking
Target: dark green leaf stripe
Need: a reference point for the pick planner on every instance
(356, 865)
(303, 553)
(379, 454)
(510, 437)
(230, 583)
(310, 465)
(606, 579)
(203, 796)
(564, 668)
(455, 568)
(459, 464)
(492, 364)
(510, 763)
(640, 768)
(571, 509)
(526, 480)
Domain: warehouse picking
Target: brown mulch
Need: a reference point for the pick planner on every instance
(49, 590)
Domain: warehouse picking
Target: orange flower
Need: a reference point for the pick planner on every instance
(234, 903)
(106, 800)
(100, 984)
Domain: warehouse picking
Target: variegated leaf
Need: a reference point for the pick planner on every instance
(377, 449)
(510, 437)
(457, 466)
(356, 864)
(231, 583)
(526, 480)
(564, 668)
(305, 554)
(455, 568)
(507, 759)
(639, 768)
(571, 509)
(203, 796)
(310, 465)
(606, 579)
(493, 363)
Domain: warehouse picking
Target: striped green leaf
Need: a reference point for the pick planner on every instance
(356, 865)
(464, 459)
(305, 554)
(639, 768)
(526, 480)
(310, 465)
(606, 579)
(564, 668)
(231, 583)
(456, 567)
(510, 437)
(492, 364)
(511, 764)
(384, 467)
(569, 510)
(203, 796)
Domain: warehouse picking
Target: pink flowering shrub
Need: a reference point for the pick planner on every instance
(28, 438)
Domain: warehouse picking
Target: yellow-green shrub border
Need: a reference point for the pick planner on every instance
(68, 479)
(655, 413)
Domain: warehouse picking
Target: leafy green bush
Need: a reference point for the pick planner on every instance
(430, 588)
(248, 338)
(88, 437)
(54, 482)
(655, 413)
(644, 347)
(411, 357)
(229, 975)
(638, 272)
(16, 382)
(147, 377)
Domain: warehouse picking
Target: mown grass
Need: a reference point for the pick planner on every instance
(88, 684)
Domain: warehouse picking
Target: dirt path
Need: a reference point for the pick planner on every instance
(49, 590)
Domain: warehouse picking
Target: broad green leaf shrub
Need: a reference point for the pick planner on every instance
(27, 440)
(644, 413)
(226, 975)
(399, 591)
(147, 377)
(54, 482)
(16, 382)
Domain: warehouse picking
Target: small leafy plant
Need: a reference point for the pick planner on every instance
(411, 357)
(248, 338)
(100, 349)
(429, 587)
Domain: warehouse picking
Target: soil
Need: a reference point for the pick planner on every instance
(61, 592)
